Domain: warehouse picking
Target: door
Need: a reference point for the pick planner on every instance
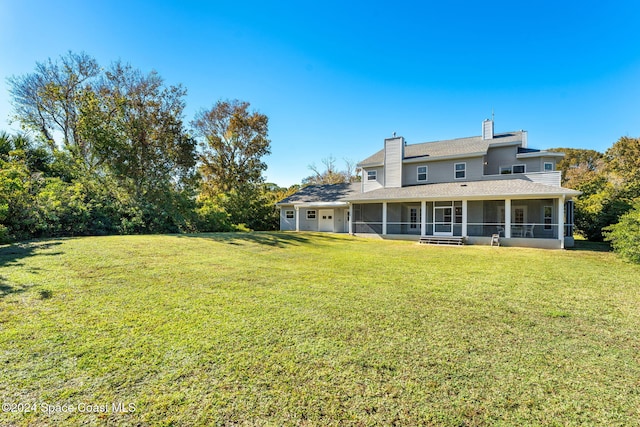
(325, 220)
(442, 221)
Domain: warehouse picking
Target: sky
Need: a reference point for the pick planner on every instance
(336, 78)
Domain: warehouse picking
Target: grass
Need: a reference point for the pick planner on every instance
(313, 329)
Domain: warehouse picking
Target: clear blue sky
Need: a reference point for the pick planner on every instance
(336, 78)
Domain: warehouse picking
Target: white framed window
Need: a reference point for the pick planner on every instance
(311, 214)
(460, 170)
(548, 217)
(548, 166)
(372, 175)
(422, 173)
(505, 170)
(519, 168)
(288, 214)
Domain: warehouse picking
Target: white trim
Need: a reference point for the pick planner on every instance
(507, 218)
(384, 218)
(538, 154)
(423, 217)
(561, 221)
(464, 218)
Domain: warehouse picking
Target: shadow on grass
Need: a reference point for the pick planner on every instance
(11, 255)
(586, 245)
(276, 239)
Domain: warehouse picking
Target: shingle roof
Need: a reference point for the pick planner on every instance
(467, 190)
(328, 193)
(452, 147)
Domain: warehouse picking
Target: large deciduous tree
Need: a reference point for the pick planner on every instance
(117, 128)
(47, 101)
(234, 140)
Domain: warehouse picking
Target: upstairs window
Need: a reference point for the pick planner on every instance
(422, 173)
(505, 170)
(372, 175)
(460, 170)
(548, 166)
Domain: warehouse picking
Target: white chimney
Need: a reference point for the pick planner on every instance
(524, 139)
(487, 129)
(393, 157)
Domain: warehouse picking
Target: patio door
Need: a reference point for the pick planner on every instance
(442, 220)
(325, 220)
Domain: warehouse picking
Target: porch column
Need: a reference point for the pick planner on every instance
(297, 218)
(423, 218)
(350, 218)
(507, 218)
(464, 218)
(384, 218)
(561, 221)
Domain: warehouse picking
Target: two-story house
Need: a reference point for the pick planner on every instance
(468, 187)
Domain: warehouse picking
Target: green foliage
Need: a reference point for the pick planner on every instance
(625, 235)
(234, 142)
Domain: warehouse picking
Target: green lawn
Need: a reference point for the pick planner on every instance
(311, 329)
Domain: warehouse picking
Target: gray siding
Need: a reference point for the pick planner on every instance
(287, 224)
(410, 173)
(500, 156)
(372, 185)
(443, 171)
(393, 156)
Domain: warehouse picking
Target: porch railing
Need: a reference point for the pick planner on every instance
(531, 230)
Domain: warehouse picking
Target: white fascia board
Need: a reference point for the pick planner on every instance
(539, 154)
(321, 204)
(369, 165)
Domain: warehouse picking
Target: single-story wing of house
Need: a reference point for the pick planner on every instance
(473, 188)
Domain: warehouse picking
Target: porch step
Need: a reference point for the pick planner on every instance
(441, 240)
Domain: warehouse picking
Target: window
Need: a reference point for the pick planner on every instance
(519, 168)
(311, 214)
(548, 217)
(548, 166)
(460, 170)
(505, 170)
(372, 175)
(288, 214)
(422, 173)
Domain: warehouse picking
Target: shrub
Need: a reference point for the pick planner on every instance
(625, 235)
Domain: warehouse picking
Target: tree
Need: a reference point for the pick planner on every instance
(47, 101)
(331, 174)
(579, 166)
(623, 166)
(234, 142)
(625, 235)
